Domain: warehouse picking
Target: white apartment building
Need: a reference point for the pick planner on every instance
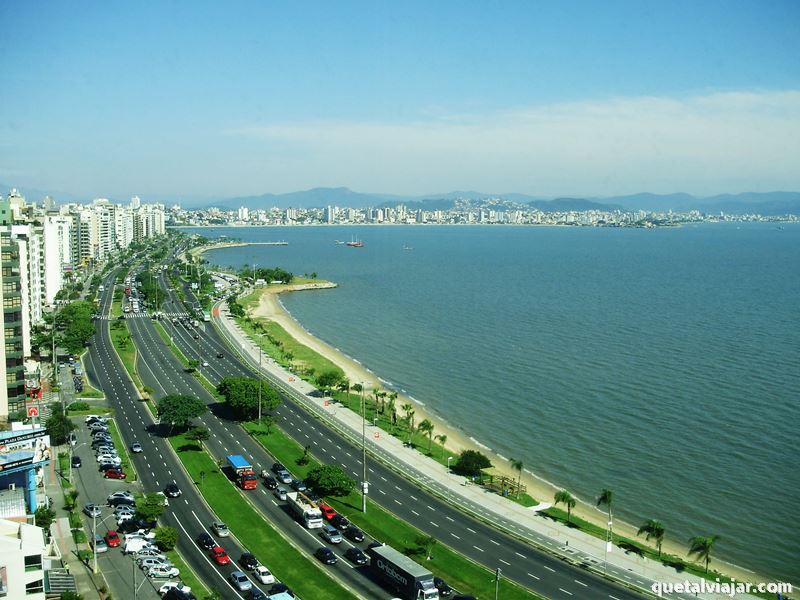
(57, 234)
(22, 552)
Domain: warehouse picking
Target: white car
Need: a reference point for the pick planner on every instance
(162, 572)
(263, 575)
(174, 584)
(122, 517)
(120, 494)
(112, 458)
(124, 509)
(141, 534)
(152, 552)
(205, 364)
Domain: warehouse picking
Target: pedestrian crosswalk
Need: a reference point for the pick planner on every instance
(144, 314)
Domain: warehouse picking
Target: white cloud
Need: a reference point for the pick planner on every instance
(705, 144)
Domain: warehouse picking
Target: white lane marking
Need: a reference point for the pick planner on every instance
(534, 576)
(549, 569)
(565, 591)
(434, 524)
(455, 536)
(476, 548)
(580, 583)
(496, 543)
(520, 555)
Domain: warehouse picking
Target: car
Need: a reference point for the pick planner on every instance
(92, 510)
(105, 466)
(143, 534)
(256, 594)
(340, 522)
(197, 337)
(248, 561)
(109, 458)
(163, 572)
(99, 544)
(441, 585)
(94, 418)
(204, 363)
(270, 482)
(280, 588)
(172, 491)
(219, 555)
(149, 550)
(115, 474)
(354, 534)
(76, 462)
(220, 355)
(205, 541)
(355, 555)
(148, 562)
(280, 493)
(263, 575)
(176, 594)
(136, 447)
(284, 476)
(174, 585)
(122, 519)
(135, 524)
(298, 486)
(327, 510)
(105, 449)
(120, 494)
(124, 509)
(220, 529)
(325, 555)
(73, 439)
(101, 440)
(277, 467)
(331, 534)
(240, 581)
(101, 435)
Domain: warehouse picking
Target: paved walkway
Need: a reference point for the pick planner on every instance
(573, 545)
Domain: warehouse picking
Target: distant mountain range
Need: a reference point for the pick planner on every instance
(765, 203)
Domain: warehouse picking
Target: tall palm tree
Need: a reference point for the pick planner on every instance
(654, 529)
(409, 410)
(605, 498)
(426, 427)
(517, 464)
(565, 498)
(701, 546)
(357, 388)
(442, 439)
(344, 386)
(393, 409)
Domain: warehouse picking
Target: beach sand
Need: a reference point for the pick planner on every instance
(270, 307)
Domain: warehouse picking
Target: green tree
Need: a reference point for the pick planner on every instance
(198, 434)
(150, 506)
(409, 418)
(213, 595)
(426, 428)
(328, 380)
(517, 466)
(76, 326)
(442, 439)
(58, 426)
(166, 537)
(178, 410)
(701, 546)
(242, 395)
(45, 516)
(605, 499)
(654, 529)
(70, 596)
(565, 498)
(470, 463)
(427, 542)
(330, 480)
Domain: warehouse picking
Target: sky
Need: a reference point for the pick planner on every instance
(211, 99)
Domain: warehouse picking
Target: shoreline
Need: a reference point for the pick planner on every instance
(271, 308)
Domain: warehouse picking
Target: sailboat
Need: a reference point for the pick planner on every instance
(355, 243)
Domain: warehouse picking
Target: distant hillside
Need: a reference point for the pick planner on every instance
(765, 203)
(313, 198)
(571, 204)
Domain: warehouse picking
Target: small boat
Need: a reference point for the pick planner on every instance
(355, 243)
(407, 248)
(339, 242)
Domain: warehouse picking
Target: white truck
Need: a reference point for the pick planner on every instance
(306, 511)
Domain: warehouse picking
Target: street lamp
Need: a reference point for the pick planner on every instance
(449, 458)
(364, 484)
(94, 536)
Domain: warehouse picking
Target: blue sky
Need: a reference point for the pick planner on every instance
(548, 98)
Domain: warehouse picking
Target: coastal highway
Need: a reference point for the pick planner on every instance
(157, 465)
(519, 561)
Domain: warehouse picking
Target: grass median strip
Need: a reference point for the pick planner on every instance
(457, 570)
(123, 344)
(122, 452)
(288, 564)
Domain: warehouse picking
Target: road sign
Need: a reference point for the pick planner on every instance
(33, 411)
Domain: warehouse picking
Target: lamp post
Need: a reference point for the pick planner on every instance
(259, 383)
(364, 484)
(449, 458)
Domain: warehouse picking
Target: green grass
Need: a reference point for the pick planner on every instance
(299, 572)
(122, 451)
(123, 344)
(187, 575)
(89, 391)
(63, 469)
(460, 572)
(92, 410)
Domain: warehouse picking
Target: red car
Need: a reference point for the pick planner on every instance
(220, 556)
(327, 510)
(112, 539)
(114, 474)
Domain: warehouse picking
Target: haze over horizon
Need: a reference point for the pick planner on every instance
(197, 100)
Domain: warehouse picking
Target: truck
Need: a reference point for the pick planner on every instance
(306, 510)
(402, 575)
(245, 475)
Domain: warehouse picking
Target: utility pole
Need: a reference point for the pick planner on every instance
(259, 384)
(496, 583)
(364, 484)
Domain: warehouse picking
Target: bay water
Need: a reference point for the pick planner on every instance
(662, 364)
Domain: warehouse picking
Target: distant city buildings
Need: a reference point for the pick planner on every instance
(43, 247)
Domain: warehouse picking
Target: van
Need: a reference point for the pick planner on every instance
(99, 544)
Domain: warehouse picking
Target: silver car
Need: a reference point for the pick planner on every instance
(240, 580)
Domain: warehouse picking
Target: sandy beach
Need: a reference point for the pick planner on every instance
(270, 308)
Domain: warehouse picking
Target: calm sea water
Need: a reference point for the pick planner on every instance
(663, 364)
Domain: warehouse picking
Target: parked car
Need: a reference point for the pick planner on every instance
(114, 474)
(99, 544)
(174, 585)
(325, 555)
(124, 509)
(355, 555)
(240, 581)
(122, 519)
(248, 561)
(354, 534)
(331, 534)
(92, 511)
(162, 572)
(112, 539)
(76, 462)
(105, 466)
(263, 575)
(148, 562)
(205, 541)
(220, 556)
(149, 551)
(120, 494)
(220, 529)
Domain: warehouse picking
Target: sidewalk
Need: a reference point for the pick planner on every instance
(572, 545)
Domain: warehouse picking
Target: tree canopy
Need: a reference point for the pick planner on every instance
(329, 379)
(150, 506)
(330, 480)
(76, 326)
(268, 275)
(178, 410)
(470, 462)
(241, 393)
(58, 426)
(166, 537)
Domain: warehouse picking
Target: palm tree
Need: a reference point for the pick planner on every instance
(701, 546)
(605, 498)
(426, 427)
(357, 388)
(564, 497)
(654, 529)
(517, 464)
(393, 409)
(344, 386)
(442, 439)
(409, 410)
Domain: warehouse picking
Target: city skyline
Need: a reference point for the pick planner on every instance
(588, 100)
